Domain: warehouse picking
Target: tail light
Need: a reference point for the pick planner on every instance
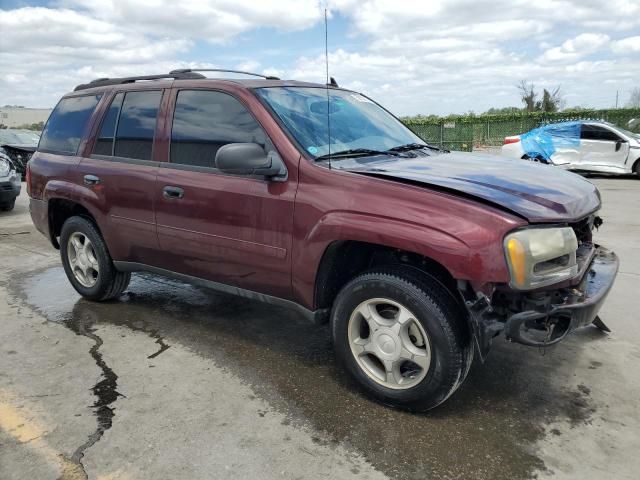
(508, 140)
(27, 176)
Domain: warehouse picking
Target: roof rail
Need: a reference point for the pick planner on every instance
(102, 82)
(190, 70)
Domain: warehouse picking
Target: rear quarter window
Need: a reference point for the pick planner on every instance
(67, 123)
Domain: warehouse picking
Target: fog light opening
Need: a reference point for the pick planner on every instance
(545, 331)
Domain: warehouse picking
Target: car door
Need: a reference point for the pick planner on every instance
(602, 149)
(566, 143)
(121, 172)
(232, 229)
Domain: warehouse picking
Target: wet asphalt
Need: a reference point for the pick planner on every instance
(507, 421)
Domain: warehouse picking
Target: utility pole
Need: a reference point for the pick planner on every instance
(616, 98)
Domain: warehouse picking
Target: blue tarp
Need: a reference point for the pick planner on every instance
(544, 141)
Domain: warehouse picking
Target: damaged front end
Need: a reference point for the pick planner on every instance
(542, 317)
(19, 156)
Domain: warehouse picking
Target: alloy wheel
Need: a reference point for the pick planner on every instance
(82, 259)
(389, 344)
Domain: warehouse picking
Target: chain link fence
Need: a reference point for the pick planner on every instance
(467, 133)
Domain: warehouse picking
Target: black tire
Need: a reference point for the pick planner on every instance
(8, 206)
(636, 168)
(110, 283)
(438, 312)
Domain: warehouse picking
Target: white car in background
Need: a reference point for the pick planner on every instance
(589, 146)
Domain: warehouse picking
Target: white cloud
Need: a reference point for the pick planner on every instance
(626, 45)
(248, 66)
(391, 16)
(53, 36)
(415, 56)
(576, 48)
(213, 20)
(49, 51)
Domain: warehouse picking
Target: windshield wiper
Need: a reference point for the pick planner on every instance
(412, 146)
(355, 152)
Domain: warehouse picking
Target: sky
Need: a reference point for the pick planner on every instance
(414, 57)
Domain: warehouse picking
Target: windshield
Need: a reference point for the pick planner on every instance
(628, 133)
(356, 122)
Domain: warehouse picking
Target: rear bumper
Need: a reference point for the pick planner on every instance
(39, 215)
(578, 307)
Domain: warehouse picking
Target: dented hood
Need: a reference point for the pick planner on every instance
(537, 192)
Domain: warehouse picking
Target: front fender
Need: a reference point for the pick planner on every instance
(430, 242)
(448, 250)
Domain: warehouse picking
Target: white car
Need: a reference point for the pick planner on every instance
(583, 145)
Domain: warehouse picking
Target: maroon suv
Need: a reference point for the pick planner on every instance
(317, 198)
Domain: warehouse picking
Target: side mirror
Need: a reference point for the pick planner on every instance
(619, 144)
(250, 159)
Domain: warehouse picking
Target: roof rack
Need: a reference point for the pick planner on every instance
(190, 70)
(176, 75)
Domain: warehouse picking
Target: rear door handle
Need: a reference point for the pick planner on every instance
(172, 192)
(91, 180)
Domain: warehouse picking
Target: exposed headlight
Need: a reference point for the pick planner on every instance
(5, 167)
(541, 256)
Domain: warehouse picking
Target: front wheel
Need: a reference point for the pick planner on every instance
(402, 336)
(87, 262)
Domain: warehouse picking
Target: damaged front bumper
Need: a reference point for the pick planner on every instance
(9, 189)
(550, 315)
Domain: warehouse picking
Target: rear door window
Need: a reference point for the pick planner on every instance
(67, 123)
(136, 125)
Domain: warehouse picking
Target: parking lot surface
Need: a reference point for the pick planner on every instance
(174, 381)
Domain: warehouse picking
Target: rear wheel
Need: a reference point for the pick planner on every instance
(402, 337)
(87, 262)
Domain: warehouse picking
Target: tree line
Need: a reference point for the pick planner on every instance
(38, 126)
(547, 101)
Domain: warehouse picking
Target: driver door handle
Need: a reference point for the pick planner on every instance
(91, 180)
(172, 192)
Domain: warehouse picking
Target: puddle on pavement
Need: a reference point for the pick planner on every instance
(485, 431)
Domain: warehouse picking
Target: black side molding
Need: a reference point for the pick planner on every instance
(315, 316)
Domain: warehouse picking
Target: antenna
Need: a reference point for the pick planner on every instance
(326, 59)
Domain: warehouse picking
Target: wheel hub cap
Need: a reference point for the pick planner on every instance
(386, 344)
(389, 343)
